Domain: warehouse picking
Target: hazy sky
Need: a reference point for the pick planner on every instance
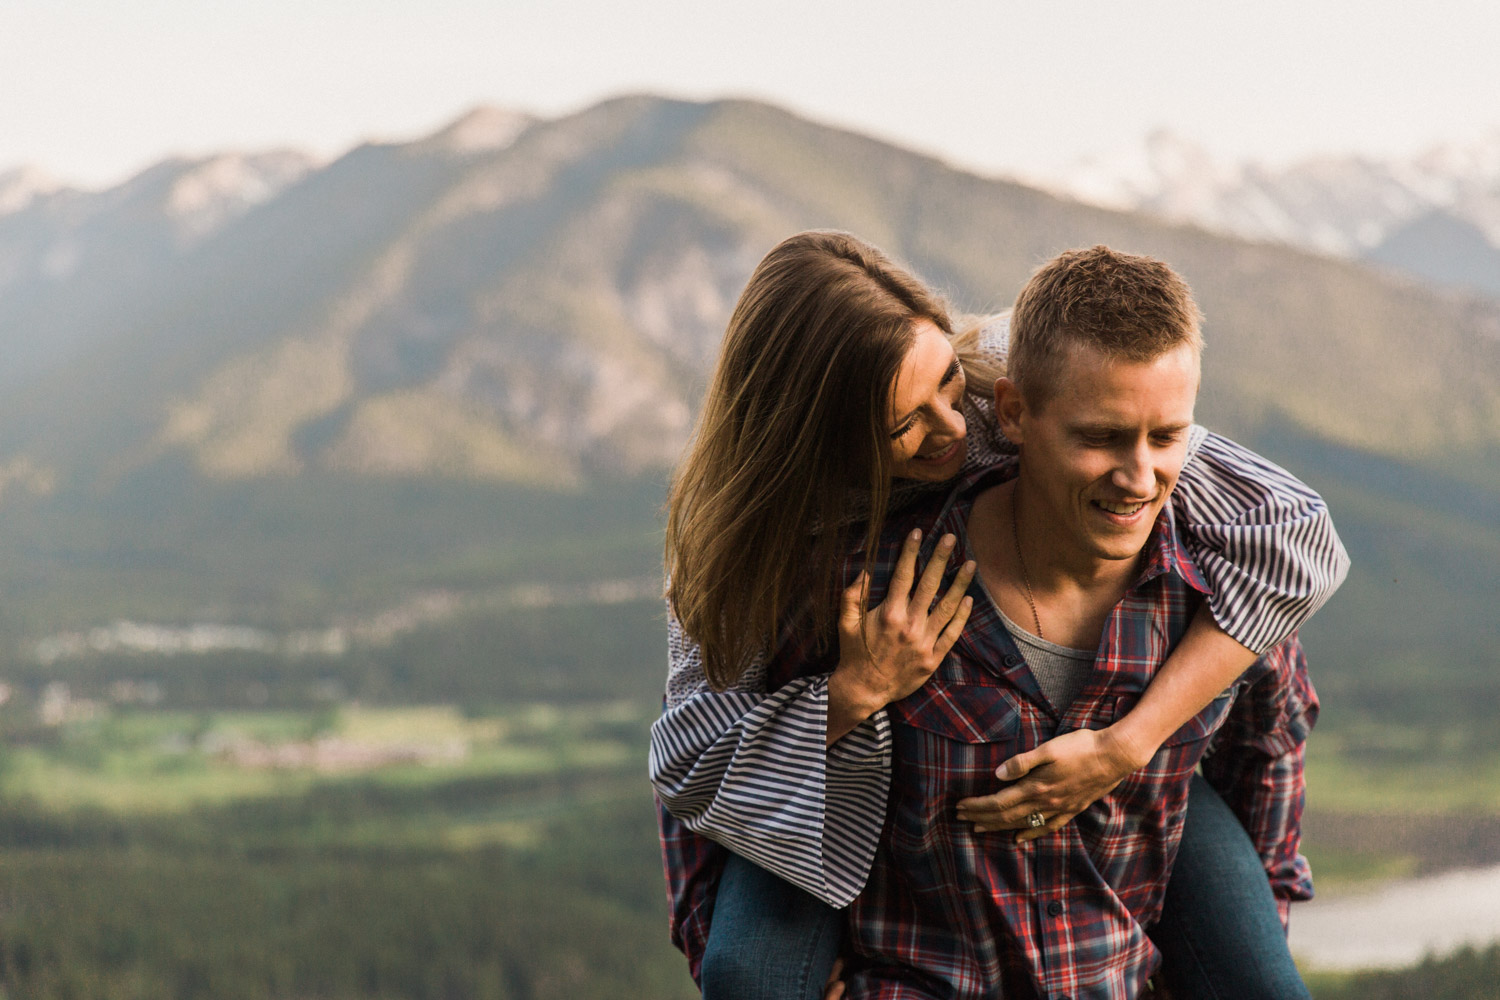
(91, 90)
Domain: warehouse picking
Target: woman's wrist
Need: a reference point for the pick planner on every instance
(850, 702)
(1130, 744)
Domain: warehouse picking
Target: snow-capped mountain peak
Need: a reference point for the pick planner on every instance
(21, 186)
(1342, 205)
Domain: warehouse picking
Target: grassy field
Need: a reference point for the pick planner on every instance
(144, 763)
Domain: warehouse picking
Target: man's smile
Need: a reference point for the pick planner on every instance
(1121, 509)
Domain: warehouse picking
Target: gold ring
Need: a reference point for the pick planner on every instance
(1036, 820)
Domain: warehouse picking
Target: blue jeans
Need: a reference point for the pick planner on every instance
(769, 940)
(1220, 934)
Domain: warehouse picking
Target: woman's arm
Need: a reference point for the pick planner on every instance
(749, 768)
(1263, 539)
(795, 779)
(1067, 774)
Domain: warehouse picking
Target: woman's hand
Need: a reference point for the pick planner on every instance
(834, 988)
(1059, 779)
(888, 652)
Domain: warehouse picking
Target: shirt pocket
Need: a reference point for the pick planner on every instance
(962, 713)
(948, 740)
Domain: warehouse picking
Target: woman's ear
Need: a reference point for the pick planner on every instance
(1009, 408)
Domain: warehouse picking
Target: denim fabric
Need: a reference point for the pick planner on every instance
(769, 940)
(1220, 932)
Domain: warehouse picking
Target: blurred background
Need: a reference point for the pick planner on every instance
(345, 350)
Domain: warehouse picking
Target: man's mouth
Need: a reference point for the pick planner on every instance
(1120, 509)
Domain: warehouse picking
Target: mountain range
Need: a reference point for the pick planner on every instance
(1435, 215)
(258, 385)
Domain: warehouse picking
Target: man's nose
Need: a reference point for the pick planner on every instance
(1136, 475)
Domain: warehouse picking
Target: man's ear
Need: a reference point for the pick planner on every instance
(1008, 409)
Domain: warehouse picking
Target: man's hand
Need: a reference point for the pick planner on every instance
(1059, 779)
(888, 652)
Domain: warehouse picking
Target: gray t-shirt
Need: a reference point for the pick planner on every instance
(1060, 671)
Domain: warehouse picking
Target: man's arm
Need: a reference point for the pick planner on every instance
(1257, 765)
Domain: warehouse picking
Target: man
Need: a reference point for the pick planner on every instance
(1082, 590)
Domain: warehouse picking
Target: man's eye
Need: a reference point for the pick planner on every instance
(1166, 440)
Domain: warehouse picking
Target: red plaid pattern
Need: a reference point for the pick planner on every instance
(949, 913)
(952, 914)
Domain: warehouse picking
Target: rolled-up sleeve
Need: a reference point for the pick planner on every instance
(1263, 539)
(749, 769)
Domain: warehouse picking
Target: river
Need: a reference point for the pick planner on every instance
(1397, 923)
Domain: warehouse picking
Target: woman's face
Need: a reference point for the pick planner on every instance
(927, 428)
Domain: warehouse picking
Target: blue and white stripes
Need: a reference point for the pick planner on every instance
(751, 771)
(1263, 539)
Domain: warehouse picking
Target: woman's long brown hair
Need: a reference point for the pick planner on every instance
(795, 425)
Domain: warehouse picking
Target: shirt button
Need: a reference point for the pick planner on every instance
(1054, 909)
(1011, 659)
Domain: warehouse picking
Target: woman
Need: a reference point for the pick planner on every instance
(833, 404)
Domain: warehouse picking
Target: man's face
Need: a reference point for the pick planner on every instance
(1101, 456)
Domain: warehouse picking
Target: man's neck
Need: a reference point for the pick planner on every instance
(1039, 580)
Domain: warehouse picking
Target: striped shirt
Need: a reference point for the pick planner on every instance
(748, 768)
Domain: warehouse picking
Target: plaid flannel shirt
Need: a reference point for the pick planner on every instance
(919, 944)
(948, 913)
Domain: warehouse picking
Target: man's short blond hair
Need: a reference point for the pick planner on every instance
(1123, 305)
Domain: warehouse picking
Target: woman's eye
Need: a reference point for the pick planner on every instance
(900, 432)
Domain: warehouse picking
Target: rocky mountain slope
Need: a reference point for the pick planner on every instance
(539, 301)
